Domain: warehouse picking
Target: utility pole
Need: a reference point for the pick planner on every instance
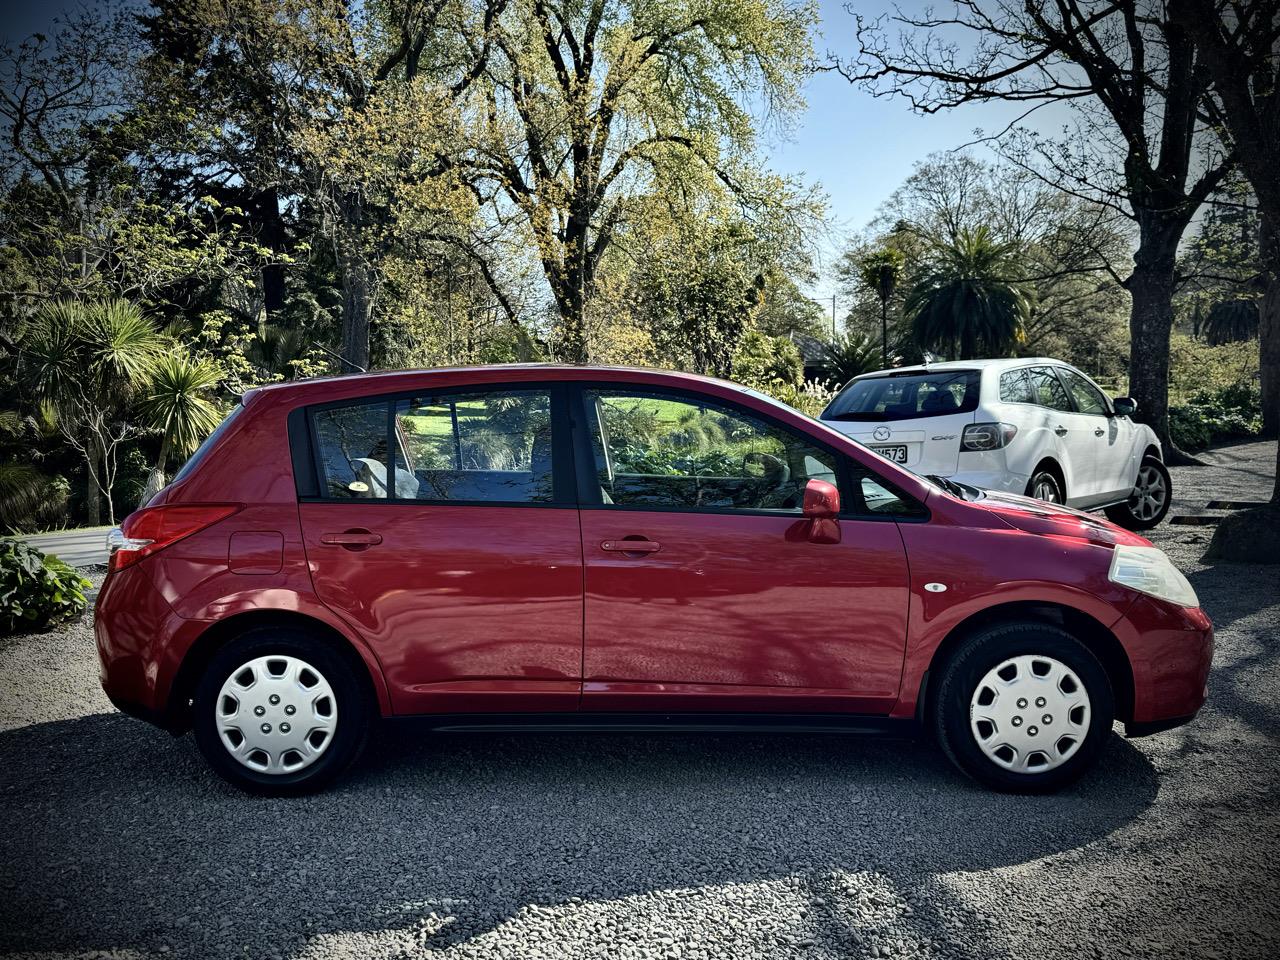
(833, 316)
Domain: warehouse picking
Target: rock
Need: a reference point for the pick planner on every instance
(1250, 536)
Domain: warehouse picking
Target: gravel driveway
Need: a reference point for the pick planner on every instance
(116, 842)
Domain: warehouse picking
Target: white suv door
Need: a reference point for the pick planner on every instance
(1116, 465)
(1074, 432)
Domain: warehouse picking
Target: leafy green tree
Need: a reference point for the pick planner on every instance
(87, 362)
(969, 302)
(767, 363)
(850, 356)
(176, 403)
(881, 271)
(584, 106)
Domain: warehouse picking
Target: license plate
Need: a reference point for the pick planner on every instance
(897, 452)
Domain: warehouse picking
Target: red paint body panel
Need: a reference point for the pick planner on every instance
(466, 607)
(730, 613)
(497, 609)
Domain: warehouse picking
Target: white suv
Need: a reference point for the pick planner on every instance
(1038, 427)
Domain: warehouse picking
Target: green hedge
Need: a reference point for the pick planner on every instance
(36, 591)
(1213, 416)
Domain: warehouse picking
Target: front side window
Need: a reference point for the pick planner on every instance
(483, 446)
(1085, 394)
(1047, 389)
(662, 450)
(907, 396)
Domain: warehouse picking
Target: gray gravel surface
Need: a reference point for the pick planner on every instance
(116, 842)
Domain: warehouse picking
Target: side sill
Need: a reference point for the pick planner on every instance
(1134, 730)
(905, 728)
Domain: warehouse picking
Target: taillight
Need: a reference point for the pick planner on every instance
(987, 436)
(150, 530)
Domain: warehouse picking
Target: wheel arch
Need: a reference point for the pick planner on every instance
(1051, 464)
(1152, 450)
(207, 644)
(1100, 641)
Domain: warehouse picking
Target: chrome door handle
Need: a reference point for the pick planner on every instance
(1098, 431)
(1060, 430)
(631, 546)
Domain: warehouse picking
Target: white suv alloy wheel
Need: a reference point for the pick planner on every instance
(1030, 714)
(276, 714)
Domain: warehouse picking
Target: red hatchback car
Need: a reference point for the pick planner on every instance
(556, 547)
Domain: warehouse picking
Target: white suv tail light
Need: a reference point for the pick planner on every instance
(987, 436)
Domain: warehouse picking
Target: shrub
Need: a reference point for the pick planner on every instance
(36, 591)
(1211, 416)
(766, 362)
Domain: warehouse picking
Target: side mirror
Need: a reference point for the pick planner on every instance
(1125, 406)
(821, 501)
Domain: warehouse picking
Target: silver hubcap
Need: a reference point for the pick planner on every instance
(1046, 489)
(276, 714)
(1030, 714)
(1149, 494)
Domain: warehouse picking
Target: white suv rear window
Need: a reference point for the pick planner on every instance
(906, 396)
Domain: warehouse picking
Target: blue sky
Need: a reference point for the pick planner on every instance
(857, 147)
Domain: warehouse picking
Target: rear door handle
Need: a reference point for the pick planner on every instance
(1060, 430)
(351, 538)
(631, 546)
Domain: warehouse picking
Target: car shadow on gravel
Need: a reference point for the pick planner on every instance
(115, 836)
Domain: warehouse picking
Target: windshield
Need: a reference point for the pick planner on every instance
(905, 396)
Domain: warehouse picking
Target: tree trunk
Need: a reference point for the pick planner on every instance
(1150, 325)
(1269, 332)
(357, 309)
(573, 320)
(92, 494)
(155, 479)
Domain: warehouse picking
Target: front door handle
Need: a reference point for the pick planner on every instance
(631, 546)
(1060, 430)
(357, 539)
(1098, 431)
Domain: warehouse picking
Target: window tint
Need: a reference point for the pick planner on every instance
(352, 447)
(905, 396)
(1015, 387)
(1085, 394)
(665, 450)
(1047, 389)
(493, 446)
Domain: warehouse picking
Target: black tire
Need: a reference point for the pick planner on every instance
(354, 710)
(1130, 513)
(1045, 479)
(985, 651)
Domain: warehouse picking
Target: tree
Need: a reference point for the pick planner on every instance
(87, 361)
(969, 301)
(881, 271)
(583, 106)
(850, 356)
(176, 403)
(1239, 44)
(1133, 75)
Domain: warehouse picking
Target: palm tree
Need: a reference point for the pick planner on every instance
(969, 302)
(881, 271)
(85, 362)
(176, 404)
(850, 356)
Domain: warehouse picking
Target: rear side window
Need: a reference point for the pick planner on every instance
(203, 450)
(907, 396)
(1047, 389)
(351, 443)
(1015, 387)
(492, 447)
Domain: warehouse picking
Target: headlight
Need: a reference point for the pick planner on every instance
(1149, 571)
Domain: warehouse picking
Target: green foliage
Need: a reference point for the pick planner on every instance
(36, 591)
(881, 271)
(1213, 416)
(176, 401)
(1195, 366)
(767, 362)
(969, 301)
(850, 356)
